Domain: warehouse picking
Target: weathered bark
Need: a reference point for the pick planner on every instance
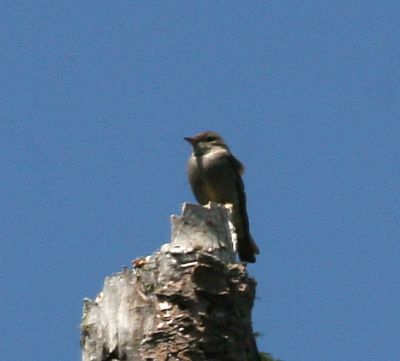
(189, 301)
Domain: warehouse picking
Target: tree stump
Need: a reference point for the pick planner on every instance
(189, 301)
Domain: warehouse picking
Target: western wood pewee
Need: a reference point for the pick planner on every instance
(215, 175)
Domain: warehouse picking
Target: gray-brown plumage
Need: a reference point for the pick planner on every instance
(215, 175)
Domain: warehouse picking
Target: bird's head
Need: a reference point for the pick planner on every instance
(206, 142)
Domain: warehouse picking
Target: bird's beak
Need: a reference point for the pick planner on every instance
(191, 140)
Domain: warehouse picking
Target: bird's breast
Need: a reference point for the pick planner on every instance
(209, 164)
(212, 178)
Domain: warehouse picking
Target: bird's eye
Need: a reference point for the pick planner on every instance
(209, 139)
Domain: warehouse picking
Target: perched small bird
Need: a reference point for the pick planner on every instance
(215, 175)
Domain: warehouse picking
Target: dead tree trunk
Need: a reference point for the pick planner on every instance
(189, 301)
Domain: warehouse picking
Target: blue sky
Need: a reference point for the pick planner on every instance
(96, 98)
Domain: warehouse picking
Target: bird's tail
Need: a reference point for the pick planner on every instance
(247, 249)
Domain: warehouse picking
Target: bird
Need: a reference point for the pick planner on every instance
(216, 175)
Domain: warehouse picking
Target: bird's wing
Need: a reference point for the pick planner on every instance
(237, 165)
(247, 248)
